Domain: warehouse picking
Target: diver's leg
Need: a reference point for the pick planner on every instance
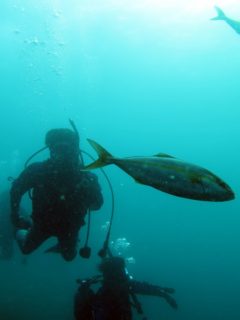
(30, 240)
(68, 244)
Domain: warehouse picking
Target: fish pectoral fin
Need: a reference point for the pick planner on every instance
(163, 155)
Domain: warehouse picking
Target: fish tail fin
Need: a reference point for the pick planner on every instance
(104, 156)
(221, 15)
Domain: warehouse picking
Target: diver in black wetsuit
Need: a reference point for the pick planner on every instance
(116, 295)
(62, 195)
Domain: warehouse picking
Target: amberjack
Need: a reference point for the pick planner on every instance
(168, 174)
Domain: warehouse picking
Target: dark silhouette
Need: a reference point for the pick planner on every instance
(116, 295)
(61, 196)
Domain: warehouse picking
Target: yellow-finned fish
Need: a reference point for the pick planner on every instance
(168, 174)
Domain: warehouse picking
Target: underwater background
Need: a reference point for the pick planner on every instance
(139, 77)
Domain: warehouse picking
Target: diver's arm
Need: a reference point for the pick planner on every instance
(145, 288)
(21, 185)
(82, 301)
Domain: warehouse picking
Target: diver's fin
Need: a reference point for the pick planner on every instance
(163, 155)
(54, 249)
(221, 15)
(104, 156)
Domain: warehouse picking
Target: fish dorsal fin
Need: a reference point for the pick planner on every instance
(163, 155)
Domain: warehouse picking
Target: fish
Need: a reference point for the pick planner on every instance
(235, 25)
(167, 174)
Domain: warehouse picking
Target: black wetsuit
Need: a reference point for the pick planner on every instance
(60, 201)
(114, 302)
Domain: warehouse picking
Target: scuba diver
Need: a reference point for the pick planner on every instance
(61, 195)
(116, 295)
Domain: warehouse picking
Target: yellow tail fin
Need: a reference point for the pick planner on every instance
(104, 156)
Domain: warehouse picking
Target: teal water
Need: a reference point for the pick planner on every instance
(139, 77)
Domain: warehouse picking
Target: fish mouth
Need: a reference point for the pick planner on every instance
(228, 193)
(226, 196)
(231, 195)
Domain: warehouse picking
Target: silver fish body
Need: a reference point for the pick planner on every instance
(176, 177)
(168, 174)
